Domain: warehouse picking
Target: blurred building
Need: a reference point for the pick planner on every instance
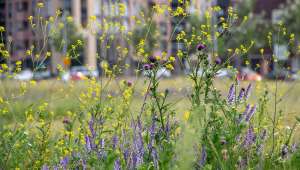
(2, 23)
(18, 29)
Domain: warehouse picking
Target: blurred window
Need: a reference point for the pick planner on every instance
(22, 6)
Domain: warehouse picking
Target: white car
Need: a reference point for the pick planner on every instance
(163, 72)
(79, 73)
(24, 75)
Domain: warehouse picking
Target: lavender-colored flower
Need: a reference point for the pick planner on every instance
(231, 94)
(294, 147)
(83, 163)
(45, 167)
(247, 93)
(55, 168)
(64, 162)
(154, 158)
(244, 114)
(102, 144)
(241, 94)
(117, 164)
(201, 47)
(91, 127)
(138, 142)
(203, 156)
(168, 127)
(249, 138)
(88, 144)
(251, 113)
(126, 155)
(115, 141)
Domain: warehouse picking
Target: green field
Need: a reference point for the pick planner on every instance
(63, 97)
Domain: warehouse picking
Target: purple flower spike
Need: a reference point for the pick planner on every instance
(64, 162)
(247, 93)
(203, 156)
(241, 94)
(88, 143)
(45, 167)
(155, 158)
(115, 141)
(201, 47)
(294, 147)
(231, 94)
(251, 113)
(244, 114)
(249, 138)
(117, 164)
(91, 127)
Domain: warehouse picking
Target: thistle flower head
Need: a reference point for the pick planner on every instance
(148, 66)
(218, 61)
(201, 47)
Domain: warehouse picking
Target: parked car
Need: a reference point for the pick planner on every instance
(248, 74)
(283, 75)
(40, 75)
(79, 73)
(161, 73)
(224, 72)
(24, 75)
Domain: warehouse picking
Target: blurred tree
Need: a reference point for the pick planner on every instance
(145, 36)
(290, 16)
(65, 37)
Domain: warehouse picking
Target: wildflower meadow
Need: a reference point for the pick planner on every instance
(142, 120)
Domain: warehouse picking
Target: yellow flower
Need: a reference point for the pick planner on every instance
(261, 51)
(33, 83)
(186, 115)
(169, 67)
(2, 29)
(18, 62)
(171, 59)
(157, 58)
(69, 19)
(28, 52)
(40, 5)
(93, 18)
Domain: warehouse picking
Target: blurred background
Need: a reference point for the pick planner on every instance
(120, 26)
